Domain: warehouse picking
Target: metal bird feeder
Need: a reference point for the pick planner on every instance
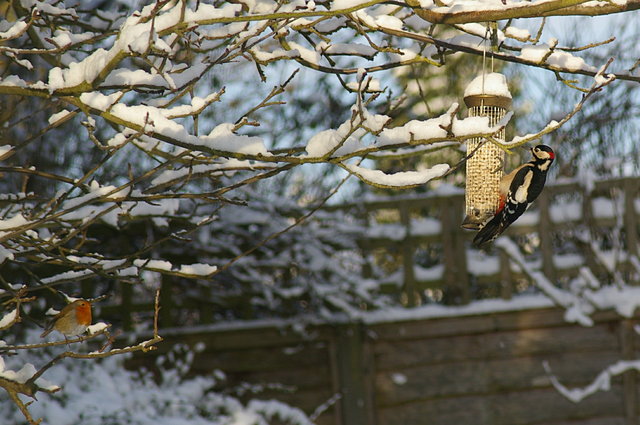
(486, 96)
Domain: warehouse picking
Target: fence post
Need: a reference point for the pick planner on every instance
(454, 251)
(355, 373)
(544, 233)
(630, 220)
(408, 252)
(588, 218)
(457, 207)
(506, 277)
(367, 269)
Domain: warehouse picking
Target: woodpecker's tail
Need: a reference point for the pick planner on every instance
(489, 232)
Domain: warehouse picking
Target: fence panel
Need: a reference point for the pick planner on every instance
(473, 368)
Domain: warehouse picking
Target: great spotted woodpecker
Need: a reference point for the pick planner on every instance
(518, 190)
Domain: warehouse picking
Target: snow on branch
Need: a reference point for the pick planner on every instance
(577, 309)
(402, 179)
(460, 11)
(601, 79)
(602, 382)
(586, 294)
(9, 319)
(185, 270)
(550, 58)
(412, 138)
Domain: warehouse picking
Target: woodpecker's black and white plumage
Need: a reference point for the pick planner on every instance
(518, 190)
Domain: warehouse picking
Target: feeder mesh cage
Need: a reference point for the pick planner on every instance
(485, 167)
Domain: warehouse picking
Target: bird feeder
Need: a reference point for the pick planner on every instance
(486, 96)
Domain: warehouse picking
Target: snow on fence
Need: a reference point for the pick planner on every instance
(483, 364)
(433, 258)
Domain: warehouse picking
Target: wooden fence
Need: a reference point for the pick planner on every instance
(464, 368)
(480, 369)
(420, 254)
(405, 226)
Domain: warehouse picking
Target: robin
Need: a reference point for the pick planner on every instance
(73, 320)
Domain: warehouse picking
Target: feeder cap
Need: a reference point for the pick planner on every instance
(488, 90)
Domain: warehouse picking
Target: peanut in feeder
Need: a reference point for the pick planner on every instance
(487, 95)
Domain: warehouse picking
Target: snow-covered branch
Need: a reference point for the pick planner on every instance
(458, 12)
(601, 80)
(602, 382)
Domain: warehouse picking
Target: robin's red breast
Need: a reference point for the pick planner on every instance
(72, 320)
